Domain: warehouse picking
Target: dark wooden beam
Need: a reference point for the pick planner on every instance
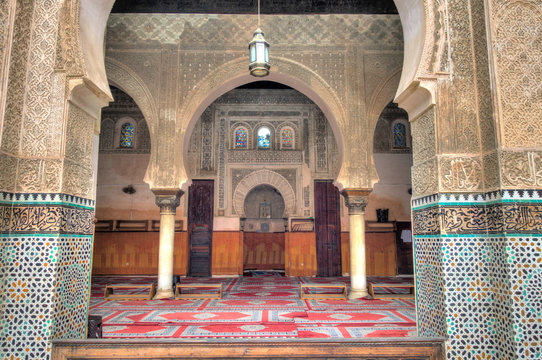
(142, 349)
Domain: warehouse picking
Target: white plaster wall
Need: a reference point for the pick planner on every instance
(116, 171)
(391, 192)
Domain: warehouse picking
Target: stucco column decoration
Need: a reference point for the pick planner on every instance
(167, 200)
(356, 201)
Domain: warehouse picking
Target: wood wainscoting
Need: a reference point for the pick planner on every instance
(143, 349)
(134, 253)
(300, 253)
(380, 253)
(227, 253)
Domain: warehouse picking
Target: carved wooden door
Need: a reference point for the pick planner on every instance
(200, 226)
(327, 224)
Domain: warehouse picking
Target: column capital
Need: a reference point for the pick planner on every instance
(167, 199)
(356, 200)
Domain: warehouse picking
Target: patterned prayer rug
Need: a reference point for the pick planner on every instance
(254, 307)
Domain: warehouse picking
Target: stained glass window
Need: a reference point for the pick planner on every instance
(287, 138)
(127, 136)
(241, 138)
(399, 136)
(264, 138)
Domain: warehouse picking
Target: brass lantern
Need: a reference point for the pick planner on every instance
(259, 55)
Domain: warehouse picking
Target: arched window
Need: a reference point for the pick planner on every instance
(241, 138)
(127, 136)
(264, 138)
(287, 138)
(399, 136)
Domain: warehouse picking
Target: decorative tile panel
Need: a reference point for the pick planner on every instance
(478, 266)
(45, 254)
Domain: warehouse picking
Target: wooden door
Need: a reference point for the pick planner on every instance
(405, 260)
(327, 223)
(200, 226)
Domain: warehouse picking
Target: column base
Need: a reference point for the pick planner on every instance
(358, 293)
(163, 294)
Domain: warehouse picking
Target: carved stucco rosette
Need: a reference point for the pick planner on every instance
(167, 200)
(356, 200)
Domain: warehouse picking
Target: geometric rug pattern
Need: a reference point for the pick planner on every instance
(257, 306)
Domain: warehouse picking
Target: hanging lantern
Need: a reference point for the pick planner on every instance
(259, 52)
(259, 55)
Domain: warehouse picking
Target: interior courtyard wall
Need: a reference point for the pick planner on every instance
(152, 47)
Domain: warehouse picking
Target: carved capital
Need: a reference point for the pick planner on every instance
(167, 200)
(356, 200)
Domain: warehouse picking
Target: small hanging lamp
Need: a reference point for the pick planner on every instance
(259, 52)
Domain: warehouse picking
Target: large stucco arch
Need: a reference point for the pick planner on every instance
(264, 177)
(127, 80)
(234, 74)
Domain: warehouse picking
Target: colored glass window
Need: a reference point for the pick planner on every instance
(399, 136)
(241, 138)
(127, 136)
(287, 138)
(264, 138)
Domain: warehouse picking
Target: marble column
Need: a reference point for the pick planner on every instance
(356, 201)
(167, 200)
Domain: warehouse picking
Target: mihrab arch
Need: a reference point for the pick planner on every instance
(264, 177)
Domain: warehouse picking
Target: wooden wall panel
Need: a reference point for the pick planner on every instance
(134, 253)
(263, 251)
(227, 255)
(380, 253)
(345, 252)
(301, 254)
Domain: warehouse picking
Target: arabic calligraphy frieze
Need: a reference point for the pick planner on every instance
(47, 219)
(463, 219)
(522, 218)
(426, 221)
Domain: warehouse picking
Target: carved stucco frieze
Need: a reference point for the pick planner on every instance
(356, 200)
(77, 179)
(460, 173)
(168, 200)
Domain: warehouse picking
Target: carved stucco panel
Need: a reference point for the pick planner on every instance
(517, 49)
(77, 179)
(41, 129)
(39, 175)
(460, 173)
(491, 172)
(79, 135)
(8, 164)
(13, 115)
(424, 137)
(425, 178)
(521, 170)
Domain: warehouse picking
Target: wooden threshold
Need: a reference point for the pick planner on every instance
(345, 349)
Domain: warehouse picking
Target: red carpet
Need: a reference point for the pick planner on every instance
(255, 306)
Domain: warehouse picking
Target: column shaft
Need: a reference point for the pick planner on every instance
(358, 271)
(168, 200)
